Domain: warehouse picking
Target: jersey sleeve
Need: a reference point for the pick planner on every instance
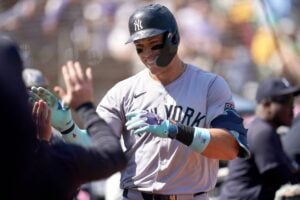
(110, 109)
(222, 114)
(219, 98)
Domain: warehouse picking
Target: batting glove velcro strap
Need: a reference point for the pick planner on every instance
(200, 140)
(172, 130)
(77, 136)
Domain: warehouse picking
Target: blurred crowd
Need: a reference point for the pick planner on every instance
(244, 41)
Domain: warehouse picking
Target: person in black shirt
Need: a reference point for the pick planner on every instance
(268, 168)
(291, 140)
(31, 167)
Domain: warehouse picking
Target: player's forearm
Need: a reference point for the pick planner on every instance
(95, 125)
(213, 143)
(102, 137)
(222, 145)
(75, 134)
(85, 113)
(225, 140)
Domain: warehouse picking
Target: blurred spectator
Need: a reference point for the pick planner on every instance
(234, 63)
(268, 168)
(291, 140)
(90, 30)
(34, 77)
(26, 166)
(16, 124)
(199, 35)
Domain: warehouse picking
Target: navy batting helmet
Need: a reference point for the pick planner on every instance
(152, 20)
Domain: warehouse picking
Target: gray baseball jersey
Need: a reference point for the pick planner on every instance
(162, 165)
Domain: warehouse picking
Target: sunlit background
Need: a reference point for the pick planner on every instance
(242, 40)
(245, 41)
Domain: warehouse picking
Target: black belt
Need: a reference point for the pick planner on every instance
(149, 196)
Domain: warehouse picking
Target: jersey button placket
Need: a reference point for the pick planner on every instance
(164, 142)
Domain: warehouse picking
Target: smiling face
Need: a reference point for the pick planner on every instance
(148, 50)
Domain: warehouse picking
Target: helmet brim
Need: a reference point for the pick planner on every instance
(144, 34)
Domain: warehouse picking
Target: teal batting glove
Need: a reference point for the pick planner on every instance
(78, 136)
(144, 121)
(61, 117)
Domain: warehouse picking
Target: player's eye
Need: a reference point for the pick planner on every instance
(139, 50)
(158, 46)
(153, 48)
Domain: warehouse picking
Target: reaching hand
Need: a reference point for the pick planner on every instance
(79, 86)
(61, 117)
(143, 121)
(41, 115)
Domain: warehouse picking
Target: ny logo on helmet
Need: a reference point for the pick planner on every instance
(137, 25)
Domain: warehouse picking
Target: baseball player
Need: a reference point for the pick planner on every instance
(177, 121)
(32, 167)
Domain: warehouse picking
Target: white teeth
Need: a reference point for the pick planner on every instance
(150, 62)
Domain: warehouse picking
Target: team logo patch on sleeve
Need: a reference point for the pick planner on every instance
(228, 106)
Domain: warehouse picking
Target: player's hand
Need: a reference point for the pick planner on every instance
(143, 121)
(79, 86)
(41, 115)
(61, 117)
